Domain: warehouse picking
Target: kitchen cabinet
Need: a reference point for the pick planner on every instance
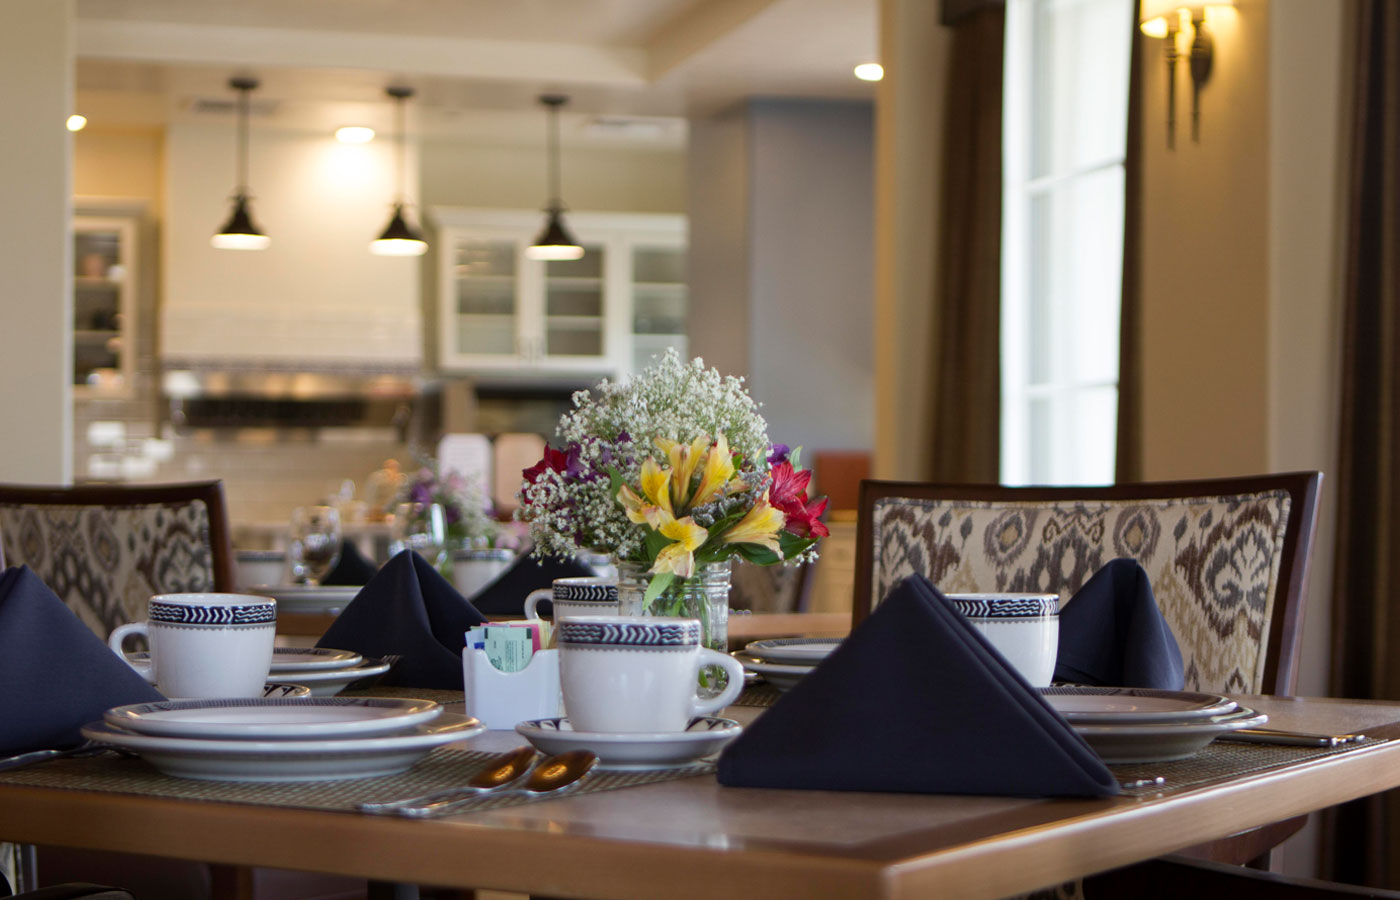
(607, 313)
(104, 304)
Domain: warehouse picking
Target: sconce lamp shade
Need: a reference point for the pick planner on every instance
(240, 233)
(399, 238)
(1161, 9)
(555, 241)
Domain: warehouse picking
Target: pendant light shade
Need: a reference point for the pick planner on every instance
(555, 240)
(399, 238)
(240, 233)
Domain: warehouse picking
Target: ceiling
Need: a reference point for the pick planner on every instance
(478, 65)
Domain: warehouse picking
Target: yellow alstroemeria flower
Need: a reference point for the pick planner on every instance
(759, 525)
(719, 468)
(678, 558)
(654, 484)
(633, 505)
(684, 460)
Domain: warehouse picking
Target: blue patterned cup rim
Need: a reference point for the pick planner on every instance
(1006, 606)
(586, 589)
(213, 599)
(628, 631)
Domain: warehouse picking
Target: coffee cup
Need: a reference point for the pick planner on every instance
(205, 645)
(1024, 628)
(474, 569)
(588, 596)
(638, 674)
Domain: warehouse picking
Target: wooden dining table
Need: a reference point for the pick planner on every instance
(693, 838)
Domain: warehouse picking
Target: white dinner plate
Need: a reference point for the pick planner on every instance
(793, 651)
(290, 659)
(319, 760)
(705, 735)
(329, 682)
(781, 676)
(258, 719)
(1117, 706)
(1144, 743)
(280, 689)
(307, 598)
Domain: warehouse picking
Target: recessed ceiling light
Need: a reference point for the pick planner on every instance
(870, 71)
(354, 134)
(76, 122)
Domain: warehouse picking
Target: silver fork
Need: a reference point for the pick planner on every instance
(20, 761)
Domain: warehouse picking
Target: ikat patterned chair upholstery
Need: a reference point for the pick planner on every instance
(1227, 559)
(105, 550)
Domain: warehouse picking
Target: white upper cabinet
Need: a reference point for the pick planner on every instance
(603, 314)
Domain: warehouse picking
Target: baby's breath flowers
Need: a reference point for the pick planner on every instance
(672, 469)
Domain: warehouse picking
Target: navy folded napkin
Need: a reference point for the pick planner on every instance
(408, 610)
(352, 568)
(57, 674)
(917, 701)
(1112, 633)
(506, 595)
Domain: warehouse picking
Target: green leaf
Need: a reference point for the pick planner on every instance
(615, 481)
(792, 544)
(760, 556)
(655, 543)
(655, 587)
(793, 456)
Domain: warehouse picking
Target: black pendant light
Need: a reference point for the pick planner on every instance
(399, 238)
(555, 240)
(240, 233)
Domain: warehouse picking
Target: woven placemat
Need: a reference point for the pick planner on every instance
(437, 695)
(1225, 759)
(443, 768)
(761, 695)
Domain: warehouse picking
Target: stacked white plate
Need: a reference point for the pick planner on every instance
(785, 661)
(281, 739)
(1138, 725)
(327, 599)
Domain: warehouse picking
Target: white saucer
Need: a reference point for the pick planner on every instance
(1087, 705)
(783, 677)
(1163, 742)
(211, 760)
(706, 735)
(307, 598)
(276, 690)
(793, 651)
(273, 720)
(329, 682)
(290, 659)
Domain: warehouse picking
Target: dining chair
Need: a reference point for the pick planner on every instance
(105, 549)
(1227, 558)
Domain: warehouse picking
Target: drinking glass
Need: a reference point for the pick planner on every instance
(421, 527)
(315, 543)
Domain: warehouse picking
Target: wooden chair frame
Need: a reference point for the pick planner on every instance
(1286, 624)
(211, 493)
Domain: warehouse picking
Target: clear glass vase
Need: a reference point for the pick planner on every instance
(703, 596)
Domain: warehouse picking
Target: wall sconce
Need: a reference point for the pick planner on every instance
(1167, 19)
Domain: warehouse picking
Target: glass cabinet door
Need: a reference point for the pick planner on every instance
(659, 302)
(574, 305)
(102, 355)
(485, 294)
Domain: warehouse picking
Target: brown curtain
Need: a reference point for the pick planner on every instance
(966, 440)
(1365, 837)
(1128, 463)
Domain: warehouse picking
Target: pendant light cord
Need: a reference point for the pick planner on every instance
(399, 112)
(243, 141)
(554, 199)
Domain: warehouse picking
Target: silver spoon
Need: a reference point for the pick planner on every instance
(553, 775)
(500, 771)
(87, 748)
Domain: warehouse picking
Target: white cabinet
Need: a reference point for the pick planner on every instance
(603, 314)
(104, 304)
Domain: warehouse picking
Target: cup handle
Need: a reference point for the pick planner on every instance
(119, 636)
(731, 691)
(532, 602)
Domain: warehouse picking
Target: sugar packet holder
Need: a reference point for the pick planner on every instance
(503, 699)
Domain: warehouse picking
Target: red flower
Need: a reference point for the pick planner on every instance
(554, 461)
(788, 492)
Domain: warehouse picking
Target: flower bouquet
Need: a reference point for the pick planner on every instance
(438, 514)
(673, 474)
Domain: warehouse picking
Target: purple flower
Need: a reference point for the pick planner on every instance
(778, 453)
(421, 492)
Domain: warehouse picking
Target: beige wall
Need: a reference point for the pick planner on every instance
(121, 164)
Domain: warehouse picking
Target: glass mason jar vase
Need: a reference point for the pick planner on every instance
(703, 596)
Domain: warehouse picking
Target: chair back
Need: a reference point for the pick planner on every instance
(106, 549)
(1227, 558)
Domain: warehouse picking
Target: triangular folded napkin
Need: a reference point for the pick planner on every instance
(352, 569)
(57, 675)
(1112, 633)
(915, 700)
(410, 610)
(506, 595)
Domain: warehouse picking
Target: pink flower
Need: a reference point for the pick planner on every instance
(788, 493)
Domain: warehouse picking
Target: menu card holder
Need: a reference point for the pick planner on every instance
(503, 699)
